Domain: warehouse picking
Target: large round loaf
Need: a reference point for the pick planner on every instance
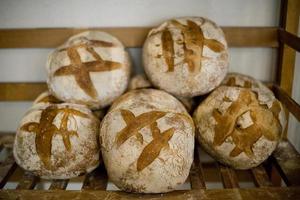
(147, 142)
(91, 68)
(186, 56)
(58, 141)
(238, 127)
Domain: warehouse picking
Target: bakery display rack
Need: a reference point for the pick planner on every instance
(276, 178)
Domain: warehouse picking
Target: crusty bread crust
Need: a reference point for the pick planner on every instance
(238, 128)
(147, 142)
(186, 56)
(58, 141)
(90, 68)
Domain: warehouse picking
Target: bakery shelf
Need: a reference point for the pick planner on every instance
(276, 178)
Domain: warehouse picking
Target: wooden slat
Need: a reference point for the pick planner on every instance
(8, 166)
(251, 36)
(288, 102)
(27, 182)
(21, 91)
(289, 39)
(289, 21)
(274, 175)
(229, 177)
(130, 36)
(59, 184)
(7, 140)
(6, 172)
(196, 173)
(289, 15)
(260, 176)
(228, 194)
(288, 160)
(96, 180)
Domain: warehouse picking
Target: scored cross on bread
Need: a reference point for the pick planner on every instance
(45, 130)
(193, 44)
(81, 70)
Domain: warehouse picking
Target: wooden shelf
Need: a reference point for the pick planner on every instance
(95, 183)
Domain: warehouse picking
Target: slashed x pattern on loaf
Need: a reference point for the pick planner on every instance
(90, 68)
(81, 69)
(193, 44)
(134, 124)
(186, 56)
(244, 138)
(147, 141)
(45, 130)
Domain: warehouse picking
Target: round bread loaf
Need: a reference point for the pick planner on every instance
(58, 141)
(186, 56)
(139, 81)
(237, 128)
(147, 142)
(91, 68)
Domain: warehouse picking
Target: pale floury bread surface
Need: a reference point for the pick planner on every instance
(265, 95)
(186, 56)
(90, 68)
(147, 142)
(140, 81)
(46, 98)
(58, 141)
(237, 128)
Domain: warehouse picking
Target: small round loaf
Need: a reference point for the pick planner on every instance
(186, 56)
(139, 81)
(46, 98)
(238, 129)
(91, 68)
(147, 142)
(58, 141)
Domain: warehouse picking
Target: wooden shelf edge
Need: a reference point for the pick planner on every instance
(130, 36)
(287, 160)
(229, 194)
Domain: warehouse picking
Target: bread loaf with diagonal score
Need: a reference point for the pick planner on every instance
(186, 56)
(91, 68)
(147, 142)
(57, 141)
(241, 123)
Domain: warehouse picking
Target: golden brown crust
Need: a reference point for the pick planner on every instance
(91, 68)
(186, 56)
(245, 138)
(147, 145)
(57, 141)
(237, 128)
(81, 71)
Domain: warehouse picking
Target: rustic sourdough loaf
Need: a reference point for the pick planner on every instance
(57, 141)
(147, 142)
(186, 56)
(239, 126)
(91, 68)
